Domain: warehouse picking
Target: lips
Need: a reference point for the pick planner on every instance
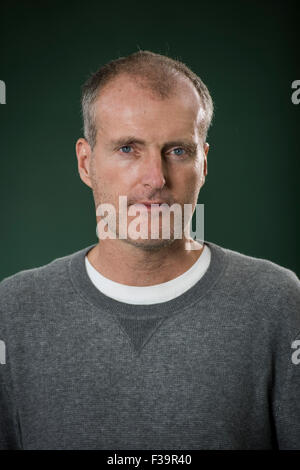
(151, 205)
(148, 203)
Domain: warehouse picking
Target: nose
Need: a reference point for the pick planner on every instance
(153, 171)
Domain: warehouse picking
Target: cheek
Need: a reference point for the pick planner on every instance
(110, 182)
(189, 180)
(196, 175)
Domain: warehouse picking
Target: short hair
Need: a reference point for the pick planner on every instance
(160, 73)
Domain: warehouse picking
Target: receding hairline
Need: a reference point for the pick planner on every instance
(152, 84)
(161, 75)
(177, 88)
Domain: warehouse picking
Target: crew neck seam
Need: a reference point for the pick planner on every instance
(160, 285)
(157, 315)
(180, 310)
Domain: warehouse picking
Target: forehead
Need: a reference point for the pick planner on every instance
(125, 105)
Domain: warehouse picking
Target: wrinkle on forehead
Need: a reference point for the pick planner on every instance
(126, 85)
(135, 106)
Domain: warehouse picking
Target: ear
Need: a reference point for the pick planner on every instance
(205, 148)
(84, 152)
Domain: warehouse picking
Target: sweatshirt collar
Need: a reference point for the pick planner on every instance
(87, 290)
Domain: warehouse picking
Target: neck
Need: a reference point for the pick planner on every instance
(133, 265)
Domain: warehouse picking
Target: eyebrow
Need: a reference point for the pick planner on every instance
(127, 140)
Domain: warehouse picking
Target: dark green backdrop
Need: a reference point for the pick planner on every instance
(245, 52)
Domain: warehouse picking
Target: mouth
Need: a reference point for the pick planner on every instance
(150, 205)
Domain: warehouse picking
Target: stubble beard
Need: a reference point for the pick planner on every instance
(147, 244)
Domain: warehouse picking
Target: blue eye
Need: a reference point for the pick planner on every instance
(127, 147)
(180, 150)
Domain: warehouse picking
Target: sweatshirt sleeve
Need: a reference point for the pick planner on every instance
(9, 435)
(286, 384)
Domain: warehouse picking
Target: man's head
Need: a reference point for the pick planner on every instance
(146, 118)
(158, 71)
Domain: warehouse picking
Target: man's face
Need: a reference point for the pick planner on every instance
(147, 149)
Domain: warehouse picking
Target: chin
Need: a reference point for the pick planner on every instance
(150, 244)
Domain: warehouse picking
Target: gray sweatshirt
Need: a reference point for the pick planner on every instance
(216, 368)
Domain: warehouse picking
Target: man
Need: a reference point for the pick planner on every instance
(149, 342)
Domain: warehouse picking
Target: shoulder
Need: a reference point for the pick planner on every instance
(263, 270)
(21, 286)
(266, 285)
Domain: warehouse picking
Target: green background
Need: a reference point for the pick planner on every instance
(245, 52)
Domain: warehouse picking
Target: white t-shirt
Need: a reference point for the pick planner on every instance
(151, 294)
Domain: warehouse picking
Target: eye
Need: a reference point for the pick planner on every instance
(126, 148)
(179, 151)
